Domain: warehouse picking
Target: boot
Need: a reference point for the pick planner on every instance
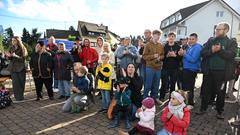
(127, 123)
(120, 132)
(115, 122)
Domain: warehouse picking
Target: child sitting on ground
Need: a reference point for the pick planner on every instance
(176, 116)
(123, 105)
(5, 99)
(146, 114)
(79, 99)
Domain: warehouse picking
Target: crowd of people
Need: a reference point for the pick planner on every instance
(130, 75)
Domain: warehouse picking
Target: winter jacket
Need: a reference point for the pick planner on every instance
(62, 66)
(148, 55)
(175, 125)
(125, 59)
(136, 84)
(171, 62)
(147, 118)
(41, 65)
(123, 98)
(88, 54)
(17, 61)
(104, 76)
(82, 83)
(228, 54)
(52, 48)
(192, 58)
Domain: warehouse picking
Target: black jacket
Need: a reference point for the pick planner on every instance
(171, 62)
(75, 54)
(228, 54)
(63, 63)
(135, 86)
(41, 65)
(17, 61)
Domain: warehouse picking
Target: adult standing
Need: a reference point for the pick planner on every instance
(77, 47)
(99, 46)
(62, 69)
(89, 56)
(16, 55)
(41, 65)
(141, 64)
(191, 66)
(170, 65)
(147, 35)
(218, 67)
(126, 53)
(153, 55)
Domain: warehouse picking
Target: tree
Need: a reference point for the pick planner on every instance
(34, 37)
(25, 36)
(1, 43)
(71, 28)
(7, 37)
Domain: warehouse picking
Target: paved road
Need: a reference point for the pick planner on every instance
(45, 117)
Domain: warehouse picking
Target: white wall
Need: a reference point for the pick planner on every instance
(203, 21)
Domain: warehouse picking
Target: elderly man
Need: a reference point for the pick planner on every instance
(217, 67)
(126, 53)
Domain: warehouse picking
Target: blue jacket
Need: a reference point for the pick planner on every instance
(192, 58)
(127, 58)
(123, 98)
(82, 83)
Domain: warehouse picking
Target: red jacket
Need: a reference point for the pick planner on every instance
(174, 125)
(90, 54)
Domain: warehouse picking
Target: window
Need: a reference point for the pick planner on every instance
(172, 19)
(178, 32)
(165, 23)
(178, 17)
(219, 14)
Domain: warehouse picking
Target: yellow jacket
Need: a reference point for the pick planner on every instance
(104, 75)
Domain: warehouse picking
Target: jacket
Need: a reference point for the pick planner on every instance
(75, 54)
(82, 83)
(173, 124)
(104, 76)
(148, 55)
(192, 58)
(17, 61)
(52, 48)
(88, 54)
(228, 54)
(136, 84)
(62, 66)
(125, 59)
(171, 62)
(41, 65)
(147, 118)
(123, 98)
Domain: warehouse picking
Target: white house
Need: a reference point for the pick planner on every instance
(202, 19)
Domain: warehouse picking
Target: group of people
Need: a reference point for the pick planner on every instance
(121, 72)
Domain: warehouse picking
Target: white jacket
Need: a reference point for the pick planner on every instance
(147, 118)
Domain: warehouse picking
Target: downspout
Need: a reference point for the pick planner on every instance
(231, 32)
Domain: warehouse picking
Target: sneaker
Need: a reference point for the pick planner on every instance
(120, 132)
(55, 90)
(201, 112)
(235, 123)
(220, 116)
(158, 102)
(61, 97)
(102, 111)
(235, 90)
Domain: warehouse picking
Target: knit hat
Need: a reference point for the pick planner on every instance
(148, 102)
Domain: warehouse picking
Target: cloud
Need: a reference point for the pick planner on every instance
(1, 5)
(123, 17)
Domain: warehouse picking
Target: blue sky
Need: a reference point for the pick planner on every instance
(123, 17)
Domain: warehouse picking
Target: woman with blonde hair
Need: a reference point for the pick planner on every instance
(17, 54)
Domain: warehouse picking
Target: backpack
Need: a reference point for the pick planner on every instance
(5, 99)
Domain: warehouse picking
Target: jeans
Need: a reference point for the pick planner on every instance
(152, 83)
(164, 132)
(64, 87)
(142, 71)
(105, 98)
(80, 100)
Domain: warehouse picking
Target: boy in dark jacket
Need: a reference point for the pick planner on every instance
(123, 98)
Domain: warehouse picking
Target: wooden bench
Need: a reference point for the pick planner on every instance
(4, 78)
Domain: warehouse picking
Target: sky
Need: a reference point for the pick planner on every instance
(123, 17)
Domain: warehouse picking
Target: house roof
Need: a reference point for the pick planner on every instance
(185, 12)
(61, 34)
(92, 27)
